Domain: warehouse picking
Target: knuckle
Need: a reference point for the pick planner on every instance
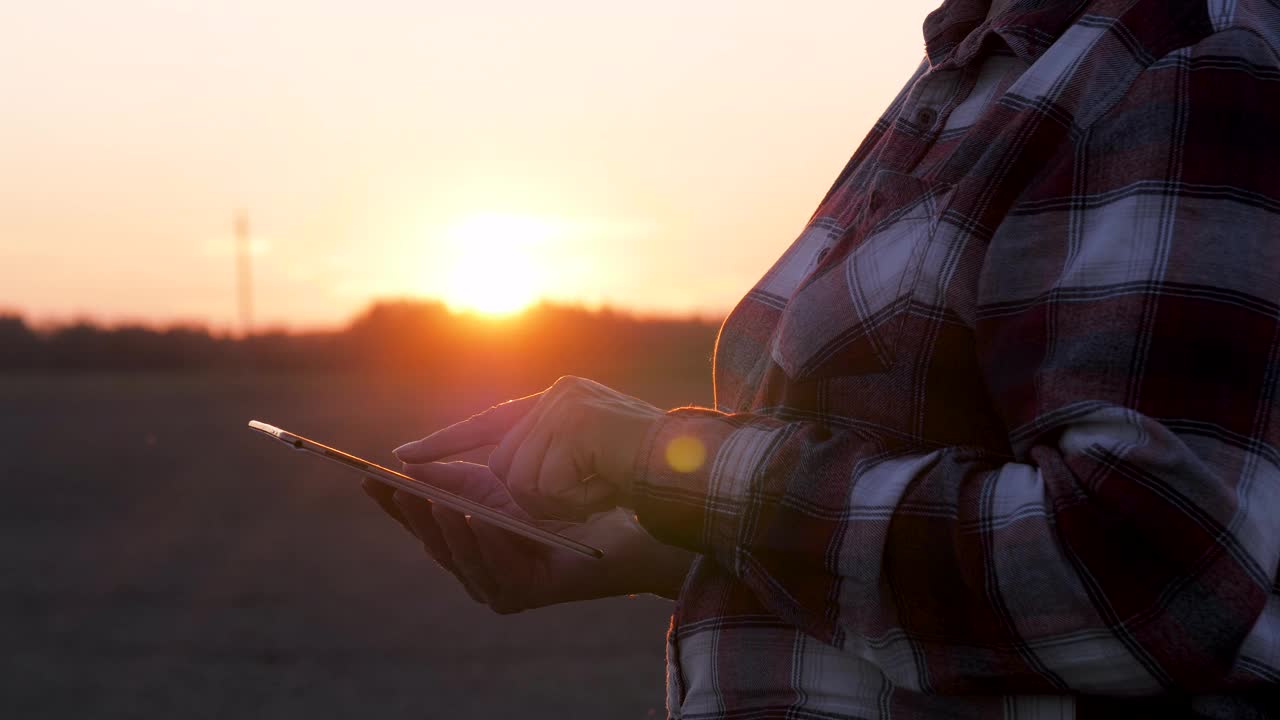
(566, 382)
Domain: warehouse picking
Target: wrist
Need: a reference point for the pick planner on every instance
(638, 465)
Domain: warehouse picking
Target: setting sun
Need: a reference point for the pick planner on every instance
(495, 262)
(391, 169)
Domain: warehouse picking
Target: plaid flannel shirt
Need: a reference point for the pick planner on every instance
(997, 435)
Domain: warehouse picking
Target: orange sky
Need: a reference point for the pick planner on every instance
(654, 155)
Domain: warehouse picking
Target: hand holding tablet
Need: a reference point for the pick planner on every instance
(421, 489)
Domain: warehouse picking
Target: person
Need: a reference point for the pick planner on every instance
(995, 437)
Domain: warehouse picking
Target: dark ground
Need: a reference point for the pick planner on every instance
(160, 560)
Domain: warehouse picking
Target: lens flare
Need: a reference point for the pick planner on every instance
(686, 453)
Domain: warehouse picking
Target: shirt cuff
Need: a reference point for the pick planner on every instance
(672, 492)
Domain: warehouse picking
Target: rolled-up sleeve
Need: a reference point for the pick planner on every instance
(1130, 542)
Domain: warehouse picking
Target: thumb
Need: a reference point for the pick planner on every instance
(479, 430)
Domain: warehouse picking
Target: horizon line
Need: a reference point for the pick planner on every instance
(48, 323)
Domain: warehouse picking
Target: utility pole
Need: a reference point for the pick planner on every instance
(244, 273)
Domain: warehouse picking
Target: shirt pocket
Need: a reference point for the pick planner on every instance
(847, 316)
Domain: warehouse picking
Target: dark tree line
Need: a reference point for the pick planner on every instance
(390, 337)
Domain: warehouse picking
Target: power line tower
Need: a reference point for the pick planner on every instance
(244, 273)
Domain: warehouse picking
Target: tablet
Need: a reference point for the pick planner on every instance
(413, 486)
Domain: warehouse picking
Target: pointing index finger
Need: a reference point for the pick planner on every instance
(486, 428)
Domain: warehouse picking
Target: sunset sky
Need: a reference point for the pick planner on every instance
(655, 156)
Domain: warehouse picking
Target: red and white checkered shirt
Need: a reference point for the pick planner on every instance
(997, 436)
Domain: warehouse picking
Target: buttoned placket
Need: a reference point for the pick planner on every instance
(921, 119)
(915, 129)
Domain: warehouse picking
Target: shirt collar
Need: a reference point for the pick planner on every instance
(956, 32)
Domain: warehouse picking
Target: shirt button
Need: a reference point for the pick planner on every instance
(925, 117)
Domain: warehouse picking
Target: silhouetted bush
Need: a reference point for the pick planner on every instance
(19, 347)
(390, 337)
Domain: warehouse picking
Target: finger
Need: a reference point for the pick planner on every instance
(465, 550)
(522, 476)
(382, 494)
(501, 549)
(466, 479)
(557, 482)
(486, 428)
(469, 480)
(502, 456)
(501, 552)
(418, 513)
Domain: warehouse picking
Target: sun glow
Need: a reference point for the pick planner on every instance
(496, 263)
